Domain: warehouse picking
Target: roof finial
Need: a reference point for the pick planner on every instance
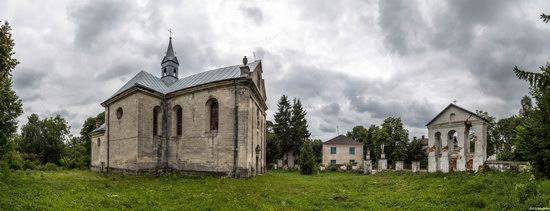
(245, 61)
(454, 101)
(170, 31)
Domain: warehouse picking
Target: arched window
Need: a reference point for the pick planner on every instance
(213, 107)
(179, 121)
(452, 117)
(156, 121)
(98, 142)
(119, 113)
(258, 119)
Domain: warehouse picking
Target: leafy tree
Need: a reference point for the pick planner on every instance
(526, 106)
(298, 126)
(89, 125)
(282, 126)
(533, 134)
(397, 139)
(379, 136)
(44, 139)
(416, 151)
(308, 161)
(492, 135)
(506, 133)
(317, 146)
(10, 104)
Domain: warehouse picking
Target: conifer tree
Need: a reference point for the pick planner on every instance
(282, 126)
(10, 104)
(308, 163)
(298, 125)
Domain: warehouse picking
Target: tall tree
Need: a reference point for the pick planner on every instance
(506, 134)
(44, 139)
(416, 151)
(526, 106)
(10, 104)
(90, 124)
(533, 134)
(398, 137)
(492, 135)
(282, 126)
(317, 146)
(273, 150)
(298, 125)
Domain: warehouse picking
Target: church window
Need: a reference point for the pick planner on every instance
(179, 119)
(98, 142)
(119, 113)
(258, 119)
(452, 117)
(155, 121)
(214, 116)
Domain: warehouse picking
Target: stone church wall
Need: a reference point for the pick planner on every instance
(123, 135)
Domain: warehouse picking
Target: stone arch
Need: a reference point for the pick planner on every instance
(452, 140)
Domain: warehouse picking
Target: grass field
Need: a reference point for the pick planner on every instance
(61, 190)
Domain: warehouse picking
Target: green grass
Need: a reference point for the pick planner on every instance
(61, 190)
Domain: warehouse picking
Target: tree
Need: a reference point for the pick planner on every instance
(89, 125)
(282, 126)
(10, 104)
(533, 134)
(397, 139)
(317, 146)
(298, 126)
(526, 106)
(416, 151)
(273, 149)
(492, 135)
(44, 139)
(308, 161)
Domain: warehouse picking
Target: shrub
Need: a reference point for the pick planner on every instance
(308, 161)
(50, 167)
(29, 164)
(333, 168)
(14, 160)
(66, 162)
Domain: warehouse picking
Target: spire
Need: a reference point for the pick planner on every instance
(170, 64)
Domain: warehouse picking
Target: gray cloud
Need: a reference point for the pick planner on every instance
(27, 78)
(254, 13)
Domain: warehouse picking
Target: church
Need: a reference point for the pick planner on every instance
(212, 122)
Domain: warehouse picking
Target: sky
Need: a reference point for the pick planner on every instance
(349, 62)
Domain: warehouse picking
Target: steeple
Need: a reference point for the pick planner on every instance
(170, 64)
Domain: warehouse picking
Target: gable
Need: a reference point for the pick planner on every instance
(454, 113)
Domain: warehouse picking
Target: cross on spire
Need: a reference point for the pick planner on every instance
(170, 31)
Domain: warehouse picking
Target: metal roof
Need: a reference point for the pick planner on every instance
(341, 139)
(152, 82)
(100, 129)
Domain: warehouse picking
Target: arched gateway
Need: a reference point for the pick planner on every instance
(464, 142)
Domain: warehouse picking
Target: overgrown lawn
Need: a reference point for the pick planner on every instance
(61, 190)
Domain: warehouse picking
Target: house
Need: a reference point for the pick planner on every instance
(342, 150)
(210, 122)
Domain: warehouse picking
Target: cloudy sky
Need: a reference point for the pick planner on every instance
(350, 62)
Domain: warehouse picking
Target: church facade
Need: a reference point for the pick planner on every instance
(212, 122)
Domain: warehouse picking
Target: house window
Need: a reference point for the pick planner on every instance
(332, 162)
(98, 142)
(119, 113)
(155, 121)
(179, 123)
(352, 150)
(352, 162)
(333, 150)
(214, 114)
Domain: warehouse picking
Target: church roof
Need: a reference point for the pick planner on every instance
(149, 81)
(341, 139)
(456, 106)
(100, 129)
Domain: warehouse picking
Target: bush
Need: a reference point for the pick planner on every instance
(29, 164)
(333, 168)
(50, 167)
(308, 161)
(14, 160)
(66, 162)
